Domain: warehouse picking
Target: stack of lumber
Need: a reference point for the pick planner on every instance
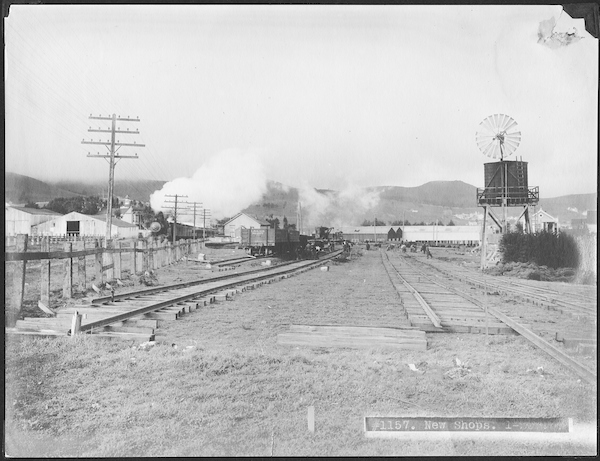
(356, 337)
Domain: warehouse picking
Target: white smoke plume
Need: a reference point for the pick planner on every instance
(335, 209)
(227, 183)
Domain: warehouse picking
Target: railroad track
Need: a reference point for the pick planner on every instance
(136, 315)
(566, 300)
(434, 305)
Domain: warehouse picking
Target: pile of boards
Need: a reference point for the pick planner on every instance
(356, 337)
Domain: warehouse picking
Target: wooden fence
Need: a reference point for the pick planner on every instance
(110, 261)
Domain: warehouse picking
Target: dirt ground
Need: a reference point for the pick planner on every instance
(217, 383)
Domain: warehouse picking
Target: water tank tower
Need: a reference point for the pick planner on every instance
(506, 183)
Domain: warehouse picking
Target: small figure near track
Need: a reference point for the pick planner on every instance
(429, 255)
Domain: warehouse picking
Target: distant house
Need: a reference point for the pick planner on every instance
(79, 224)
(232, 228)
(543, 221)
(132, 216)
(21, 220)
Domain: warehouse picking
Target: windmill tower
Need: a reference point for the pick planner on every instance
(506, 183)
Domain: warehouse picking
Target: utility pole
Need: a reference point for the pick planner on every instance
(113, 156)
(205, 214)
(195, 203)
(299, 218)
(175, 213)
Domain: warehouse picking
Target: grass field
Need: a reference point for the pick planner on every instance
(218, 384)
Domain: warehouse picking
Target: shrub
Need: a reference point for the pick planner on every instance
(542, 248)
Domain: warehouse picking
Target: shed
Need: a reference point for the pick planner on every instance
(20, 220)
(80, 224)
(241, 220)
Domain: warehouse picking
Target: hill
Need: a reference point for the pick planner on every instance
(136, 190)
(22, 189)
(433, 201)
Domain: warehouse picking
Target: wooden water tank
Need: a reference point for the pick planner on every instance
(508, 177)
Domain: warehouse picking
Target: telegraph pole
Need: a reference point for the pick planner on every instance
(113, 156)
(195, 203)
(175, 213)
(205, 214)
(299, 217)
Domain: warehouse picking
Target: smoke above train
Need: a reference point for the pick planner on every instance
(234, 179)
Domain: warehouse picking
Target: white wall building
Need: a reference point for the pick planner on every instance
(435, 235)
(20, 220)
(80, 224)
(241, 220)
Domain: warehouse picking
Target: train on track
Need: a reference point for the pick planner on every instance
(289, 243)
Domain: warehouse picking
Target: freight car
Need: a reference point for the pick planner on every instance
(282, 242)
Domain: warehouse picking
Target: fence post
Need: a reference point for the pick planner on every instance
(145, 256)
(81, 268)
(75, 323)
(98, 259)
(135, 263)
(45, 274)
(108, 259)
(68, 265)
(117, 260)
(169, 252)
(158, 262)
(12, 314)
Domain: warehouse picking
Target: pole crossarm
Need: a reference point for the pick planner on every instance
(113, 144)
(116, 118)
(113, 156)
(108, 156)
(91, 130)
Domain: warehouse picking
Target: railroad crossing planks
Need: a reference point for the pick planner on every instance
(353, 337)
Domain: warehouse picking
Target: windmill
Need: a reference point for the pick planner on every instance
(498, 137)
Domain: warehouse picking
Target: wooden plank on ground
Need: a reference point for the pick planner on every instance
(353, 337)
(318, 339)
(385, 331)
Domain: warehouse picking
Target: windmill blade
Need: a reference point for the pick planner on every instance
(497, 137)
(488, 125)
(490, 151)
(510, 125)
(496, 118)
(501, 122)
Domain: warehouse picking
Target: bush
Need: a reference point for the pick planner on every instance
(542, 248)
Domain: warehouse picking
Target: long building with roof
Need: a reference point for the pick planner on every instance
(433, 235)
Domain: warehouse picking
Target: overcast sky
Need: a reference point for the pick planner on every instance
(331, 96)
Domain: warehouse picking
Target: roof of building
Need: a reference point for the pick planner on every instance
(36, 211)
(115, 221)
(260, 221)
(386, 229)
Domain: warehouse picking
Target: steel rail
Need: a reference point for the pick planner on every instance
(432, 315)
(524, 290)
(582, 371)
(176, 286)
(178, 299)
